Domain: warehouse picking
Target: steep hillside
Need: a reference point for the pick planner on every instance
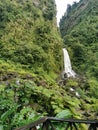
(79, 29)
(29, 35)
(31, 61)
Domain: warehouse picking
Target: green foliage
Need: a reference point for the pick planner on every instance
(26, 116)
(49, 13)
(93, 88)
(79, 31)
(14, 106)
(26, 36)
(31, 56)
(80, 23)
(64, 114)
(71, 83)
(7, 111)
(23, 99)
(30, 49)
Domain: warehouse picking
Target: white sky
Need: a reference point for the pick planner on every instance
(61, 7)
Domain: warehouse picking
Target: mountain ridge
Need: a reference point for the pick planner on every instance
(82, 33)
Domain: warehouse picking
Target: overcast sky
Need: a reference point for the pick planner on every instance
(61, 7)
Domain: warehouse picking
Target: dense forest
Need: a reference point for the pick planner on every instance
(31, 62)
(79, 30)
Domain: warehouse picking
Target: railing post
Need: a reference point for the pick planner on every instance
(46, 125)
(92, 127)
(75, 126)
(71, 125)
(34, 128)
(52, 127)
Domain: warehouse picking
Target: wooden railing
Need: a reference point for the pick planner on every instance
(46, 123)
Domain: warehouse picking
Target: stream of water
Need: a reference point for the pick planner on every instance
(67, 65)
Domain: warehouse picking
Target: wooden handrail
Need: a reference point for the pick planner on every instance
(33, 124)
(46, 121)
(73, 120)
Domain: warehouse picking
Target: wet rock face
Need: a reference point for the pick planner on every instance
(8, 76)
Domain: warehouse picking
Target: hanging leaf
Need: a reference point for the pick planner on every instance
(64, 114)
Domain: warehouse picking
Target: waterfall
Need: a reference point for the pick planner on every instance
(67, 65)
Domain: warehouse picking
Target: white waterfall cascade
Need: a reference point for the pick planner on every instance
(67, 65)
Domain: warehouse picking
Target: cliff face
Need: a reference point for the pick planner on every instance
(79, 29)
(30, 59)
(29, 34)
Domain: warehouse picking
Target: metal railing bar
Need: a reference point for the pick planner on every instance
(74, 120)
(31, 125)
(47, 121)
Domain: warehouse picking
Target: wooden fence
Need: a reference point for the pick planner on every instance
(46, 123)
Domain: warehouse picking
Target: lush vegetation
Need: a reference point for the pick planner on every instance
(79, 30)
(30, 54)
(29, 35)
(31, 62)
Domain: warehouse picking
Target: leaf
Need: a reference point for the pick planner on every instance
(6, 114)
(64, 114)
(1, 127)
